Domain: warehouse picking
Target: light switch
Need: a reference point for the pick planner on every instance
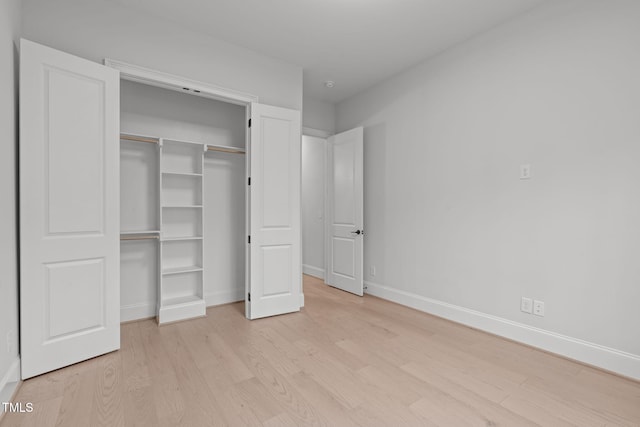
(525, 171)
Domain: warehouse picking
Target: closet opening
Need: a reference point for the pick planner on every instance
(183, 201)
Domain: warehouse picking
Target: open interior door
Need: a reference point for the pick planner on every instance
(275, 263)
(69, 209)
(344, 242)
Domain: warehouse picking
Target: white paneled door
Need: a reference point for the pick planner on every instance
(69, 209)
(344, 243)
(275, 276)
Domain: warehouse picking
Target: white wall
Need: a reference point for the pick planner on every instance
(318, 114)
(10, 11)
(164, 113)
(313, 177)
(451, 228)
(95, 29)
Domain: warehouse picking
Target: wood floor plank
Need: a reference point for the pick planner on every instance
(282, 420)
(481, 400)
(335, 377)
(44, 414)
(342, 360)
(108, 405)
(546, 410)
(139, 408)
(276, 384)
(135, 364)
(435, 412)
(323, 399)
(77, 403)
(394, 382)
(620, 412)
(252, 397)
(201, 407)
(42, 388)
(389, 412)
(169, 403)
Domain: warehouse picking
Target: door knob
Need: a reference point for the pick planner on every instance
(357, 232)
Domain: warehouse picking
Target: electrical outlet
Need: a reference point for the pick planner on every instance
(525, 171)
(526, 305)
(538, 308)
(372, 271)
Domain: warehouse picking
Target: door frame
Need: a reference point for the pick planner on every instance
(151, 77)
(136, 73)
(327, 202)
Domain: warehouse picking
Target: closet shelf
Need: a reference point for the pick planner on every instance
(177, 239)
(138, 237)
(184, 300)
(133, 233)
(178, 270)
(182, 206)
(182, 174)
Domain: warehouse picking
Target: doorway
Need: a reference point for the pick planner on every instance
(332, 208)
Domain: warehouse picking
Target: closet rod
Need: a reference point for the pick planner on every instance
(138, 237)
(138, 138)
(225, 150)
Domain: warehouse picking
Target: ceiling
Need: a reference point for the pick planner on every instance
(356, 43)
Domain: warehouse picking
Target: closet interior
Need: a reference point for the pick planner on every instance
(182, 203)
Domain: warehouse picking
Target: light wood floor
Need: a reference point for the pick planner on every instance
(341, 361)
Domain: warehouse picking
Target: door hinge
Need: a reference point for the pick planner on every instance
(249, 181)
(249, 122)
(249, 296)
(248, 239)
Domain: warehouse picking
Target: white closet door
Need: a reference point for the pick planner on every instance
(275, 276)
(345, 211)
(69, 209)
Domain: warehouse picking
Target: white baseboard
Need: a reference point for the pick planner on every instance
(313, 271)
(613, 360)
(137, 311)
(183, 311)
(219, 298)
(146, 310)
(132, 312)
(9, 382)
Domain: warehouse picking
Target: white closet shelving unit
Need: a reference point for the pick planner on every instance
(181, 293)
